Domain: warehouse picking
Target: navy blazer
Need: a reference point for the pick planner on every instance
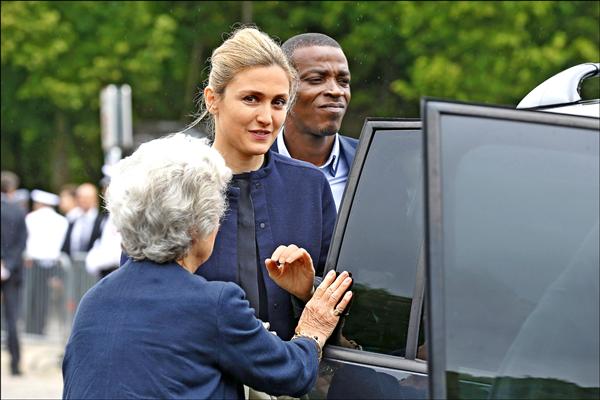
(293, 204)
(152, 330)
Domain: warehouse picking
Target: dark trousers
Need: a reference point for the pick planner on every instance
(11, 298)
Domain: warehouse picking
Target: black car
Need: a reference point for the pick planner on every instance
(472, 237)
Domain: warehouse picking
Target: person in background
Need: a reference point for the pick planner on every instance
(87, 227)
(275, 202)
(21, 198)
(13, 241)
(154, 329)
(68, 202)
(104, 256)
(46, 232)
(312, 127)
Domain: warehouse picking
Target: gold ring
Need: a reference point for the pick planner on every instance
(337, 312)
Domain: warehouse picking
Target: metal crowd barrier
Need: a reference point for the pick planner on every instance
(78, 282)
(50, 296)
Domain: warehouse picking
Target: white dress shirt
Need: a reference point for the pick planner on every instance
(106, 252)
(46, 229)
(335, 168)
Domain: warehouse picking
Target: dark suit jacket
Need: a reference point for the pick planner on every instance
(347, 148)
(96, 233)
(152, 330)
(14, 239)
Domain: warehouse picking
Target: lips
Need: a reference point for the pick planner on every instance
(333, 107)
(260, 134)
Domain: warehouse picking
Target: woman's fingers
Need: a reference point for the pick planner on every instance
(277, 253)
(286, 254)
(330, 284)
(339, 309)
(338, 288)
(272, 268)
(331, 294)
(327, 280)
(299, 255)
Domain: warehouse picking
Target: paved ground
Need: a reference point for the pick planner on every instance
(41, 367)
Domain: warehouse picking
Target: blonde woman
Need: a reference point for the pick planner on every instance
(280, 209)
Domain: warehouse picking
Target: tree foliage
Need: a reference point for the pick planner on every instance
(57, 56)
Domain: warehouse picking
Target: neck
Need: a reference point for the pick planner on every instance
(308, 147)
(237, 161)
(187, 264)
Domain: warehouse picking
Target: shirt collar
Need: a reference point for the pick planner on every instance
(331, 165)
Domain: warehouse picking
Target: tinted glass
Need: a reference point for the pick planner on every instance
(520, 208)
(382, 240)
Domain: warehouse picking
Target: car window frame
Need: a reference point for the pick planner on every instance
(410, 363)
(432, 110)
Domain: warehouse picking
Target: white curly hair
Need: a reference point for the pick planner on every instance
(169, 190)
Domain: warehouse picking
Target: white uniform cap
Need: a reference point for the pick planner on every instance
(39, 196)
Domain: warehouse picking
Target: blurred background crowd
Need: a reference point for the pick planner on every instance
(54, 247)
(59, 135)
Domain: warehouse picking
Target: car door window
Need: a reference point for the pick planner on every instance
(519, 300)
(382, 240)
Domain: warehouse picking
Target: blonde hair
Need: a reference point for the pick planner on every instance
(247, 47)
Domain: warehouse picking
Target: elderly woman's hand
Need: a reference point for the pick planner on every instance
(292, 269)
(322, 312)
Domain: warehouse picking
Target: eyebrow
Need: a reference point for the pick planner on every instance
(259, 93)
(323, 71)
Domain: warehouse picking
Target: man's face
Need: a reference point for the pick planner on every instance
(87, 196)
(324, 90)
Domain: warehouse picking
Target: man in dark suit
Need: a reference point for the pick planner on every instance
(14, 239)
(311, 131)
(87, 227)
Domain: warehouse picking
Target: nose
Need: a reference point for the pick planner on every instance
(264, 115)
(333, 89)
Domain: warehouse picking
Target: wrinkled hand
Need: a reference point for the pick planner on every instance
(322, 312)
(292, 269)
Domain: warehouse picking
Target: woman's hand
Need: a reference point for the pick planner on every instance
(322, 312)
(292, 269)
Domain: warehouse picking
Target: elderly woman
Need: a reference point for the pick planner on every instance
(154, 329)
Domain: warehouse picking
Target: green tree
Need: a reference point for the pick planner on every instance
(57, 56)
(492, 52)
